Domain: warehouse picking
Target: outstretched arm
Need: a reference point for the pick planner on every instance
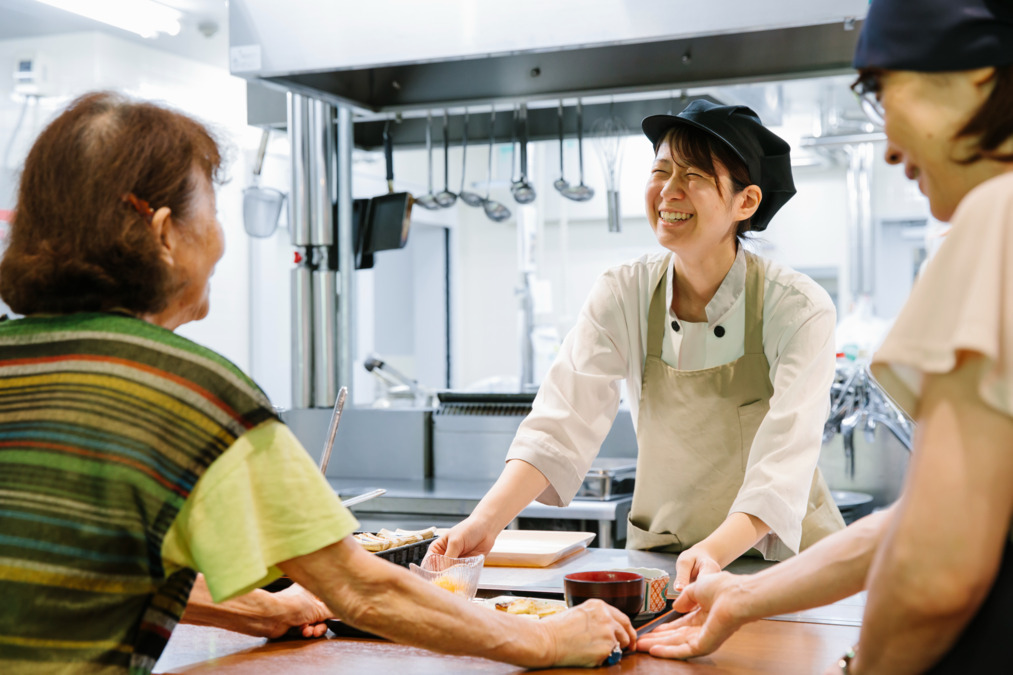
(515, 488)
(258, 612)
(942, 551)
(374, 595)
(736, 535)
(830, 570)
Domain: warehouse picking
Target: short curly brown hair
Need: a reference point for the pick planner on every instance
(75, 244)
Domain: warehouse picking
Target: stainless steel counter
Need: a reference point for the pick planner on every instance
(549, 580)
(444, 502)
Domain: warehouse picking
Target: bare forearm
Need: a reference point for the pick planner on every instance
(736, 535)
(904, 630)
(379, 597)
(517, 486)
(255, 613)
(940, 556)
(831, 570)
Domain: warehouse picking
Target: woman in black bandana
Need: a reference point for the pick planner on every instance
(938, 565)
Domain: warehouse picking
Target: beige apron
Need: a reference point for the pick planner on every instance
(694, 433)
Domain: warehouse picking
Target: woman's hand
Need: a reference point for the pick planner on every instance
(587, 634)
(705, 628)
(259, 612)
(693, 563)
(302, 611)
(469, 537)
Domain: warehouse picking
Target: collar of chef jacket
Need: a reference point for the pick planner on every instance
(725, 310)
(728, 292)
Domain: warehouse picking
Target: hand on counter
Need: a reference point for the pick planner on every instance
(587, 631)
(704, 628)
(467, 538)
(516, 487)
(259, 612)
(693, 563)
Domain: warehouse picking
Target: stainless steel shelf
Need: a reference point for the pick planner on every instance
(455, 499)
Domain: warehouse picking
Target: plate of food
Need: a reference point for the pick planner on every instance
(529, 608)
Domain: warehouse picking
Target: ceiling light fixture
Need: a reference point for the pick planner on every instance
(143, 17)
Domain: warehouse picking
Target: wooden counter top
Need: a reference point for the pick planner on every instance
(802, 643)
(774, 647)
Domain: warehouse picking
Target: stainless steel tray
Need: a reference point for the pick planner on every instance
(609, 477)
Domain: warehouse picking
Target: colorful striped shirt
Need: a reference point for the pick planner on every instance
(106, 424)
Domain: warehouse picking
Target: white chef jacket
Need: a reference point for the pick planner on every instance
(579, 397)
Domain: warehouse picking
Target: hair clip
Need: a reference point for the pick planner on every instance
(141, 206)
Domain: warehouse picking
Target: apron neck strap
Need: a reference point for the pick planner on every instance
(753, 341)
(656, 316)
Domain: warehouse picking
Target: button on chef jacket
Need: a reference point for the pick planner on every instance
(579, 397)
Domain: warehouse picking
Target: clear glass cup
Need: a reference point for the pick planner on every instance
(457, 575)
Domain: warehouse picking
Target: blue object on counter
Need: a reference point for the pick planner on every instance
(613, 659)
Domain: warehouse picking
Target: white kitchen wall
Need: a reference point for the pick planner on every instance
(250, 316)
(810, 234)
(77, 63)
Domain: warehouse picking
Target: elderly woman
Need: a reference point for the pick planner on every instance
(727, 358)
(132, 458)
(938, 565)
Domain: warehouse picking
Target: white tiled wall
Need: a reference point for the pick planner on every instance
(250, 314)
(77, 63)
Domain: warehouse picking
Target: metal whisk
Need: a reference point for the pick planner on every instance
(608, 133)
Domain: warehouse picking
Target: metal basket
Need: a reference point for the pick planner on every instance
(409, 553)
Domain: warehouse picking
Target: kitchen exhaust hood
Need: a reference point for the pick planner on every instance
(400, 55)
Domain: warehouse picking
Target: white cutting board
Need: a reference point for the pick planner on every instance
(535, 548)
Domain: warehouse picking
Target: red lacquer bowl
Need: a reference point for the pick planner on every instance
(622, 590)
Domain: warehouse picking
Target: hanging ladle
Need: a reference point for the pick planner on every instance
(579, 193)
(428, 201)
(469, 198)
(561, 184)
(446, 198)
(261, 205)
(493, 209)
(523, 190)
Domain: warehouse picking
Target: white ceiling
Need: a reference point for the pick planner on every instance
(27, 18)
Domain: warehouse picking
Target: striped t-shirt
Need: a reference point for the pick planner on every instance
(106, 424)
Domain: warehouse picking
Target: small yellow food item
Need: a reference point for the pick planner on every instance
(449, 584)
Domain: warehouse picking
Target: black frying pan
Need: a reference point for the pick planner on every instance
(387, 217)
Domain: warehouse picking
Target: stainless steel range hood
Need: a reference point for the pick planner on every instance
(384, 57)
(399, 55)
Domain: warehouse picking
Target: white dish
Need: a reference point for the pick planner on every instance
(537, 603)
(535, 548)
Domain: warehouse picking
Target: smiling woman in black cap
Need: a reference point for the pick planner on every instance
(938, 565)
(727, 358)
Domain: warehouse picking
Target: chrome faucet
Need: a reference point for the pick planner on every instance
(858, 402)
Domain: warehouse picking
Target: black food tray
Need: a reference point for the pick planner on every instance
(399, 555)
(409, 553)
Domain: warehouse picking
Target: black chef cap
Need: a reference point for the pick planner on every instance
(765, 154)
(936, 35)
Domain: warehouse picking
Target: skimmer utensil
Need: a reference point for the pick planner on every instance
(428, 201)
(446, 198)
(469, 198)
(581, 192)
(493, 209)
(523, 190)
(561, 184)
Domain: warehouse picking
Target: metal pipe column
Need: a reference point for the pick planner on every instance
(324, 279)
(346, 250)
(299, 227)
